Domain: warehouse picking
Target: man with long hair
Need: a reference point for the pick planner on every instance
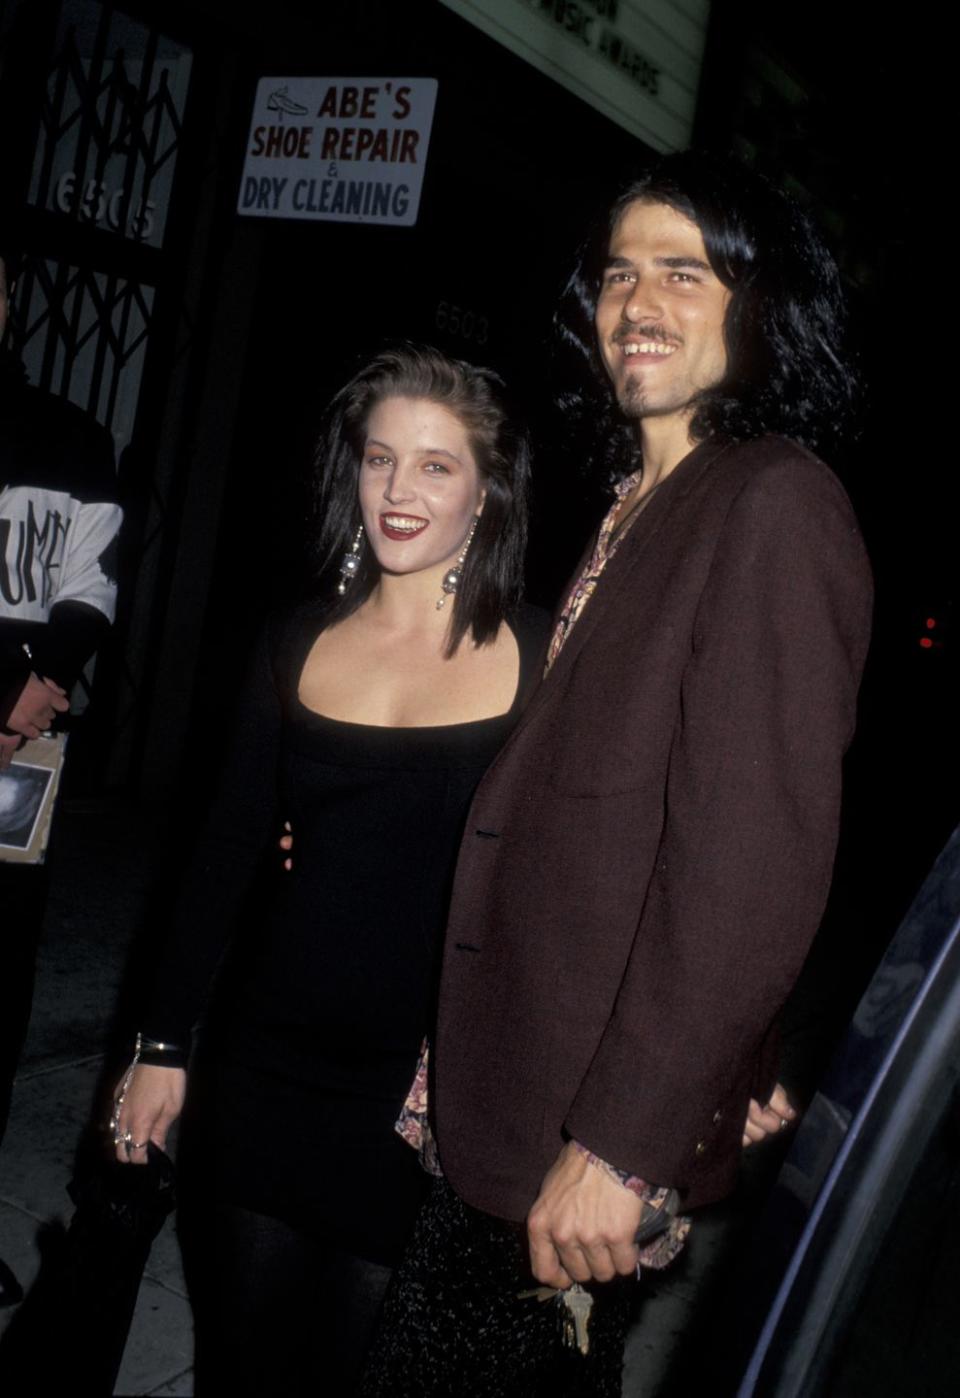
(644, 867)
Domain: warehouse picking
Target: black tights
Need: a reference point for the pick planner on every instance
(276, 1310)
(23, 897)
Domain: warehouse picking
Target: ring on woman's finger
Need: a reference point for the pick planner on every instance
(125, 1139)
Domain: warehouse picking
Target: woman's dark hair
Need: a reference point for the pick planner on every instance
(784, 329)
(492, 579)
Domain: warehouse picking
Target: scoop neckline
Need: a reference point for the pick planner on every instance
(407, 727)
(418, 727)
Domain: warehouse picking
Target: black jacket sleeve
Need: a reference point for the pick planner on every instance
(14, 673)
(62, 648)
(241, 825)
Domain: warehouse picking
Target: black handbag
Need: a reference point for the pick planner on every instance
(70, 1332)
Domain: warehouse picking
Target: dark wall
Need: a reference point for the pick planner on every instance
(516, 166)
(850, 110)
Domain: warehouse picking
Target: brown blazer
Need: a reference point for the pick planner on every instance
(646, 862)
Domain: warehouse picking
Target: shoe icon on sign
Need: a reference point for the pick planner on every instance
(280, 101)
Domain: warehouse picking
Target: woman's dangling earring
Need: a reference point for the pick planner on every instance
(350, 563)
(451, 579)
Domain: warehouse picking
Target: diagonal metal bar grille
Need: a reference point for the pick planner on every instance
(111, 122)
(83, 335)
(109, 135)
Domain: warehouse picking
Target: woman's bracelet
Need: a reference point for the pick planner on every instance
(148, 1045)
(158, 1053)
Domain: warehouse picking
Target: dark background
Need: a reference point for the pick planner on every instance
(257, 322)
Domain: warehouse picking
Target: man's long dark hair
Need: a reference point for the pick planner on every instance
(784, 330)
(492, 580)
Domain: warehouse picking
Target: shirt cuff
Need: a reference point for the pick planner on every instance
(634, 1183)
(669, 1235)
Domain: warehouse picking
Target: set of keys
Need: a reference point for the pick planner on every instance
(577, 1304)
(659, 1212)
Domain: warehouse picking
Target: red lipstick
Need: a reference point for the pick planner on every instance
(400, 526)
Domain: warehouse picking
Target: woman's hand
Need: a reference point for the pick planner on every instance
(147, 1102)
(769, 1120)
(286, 844)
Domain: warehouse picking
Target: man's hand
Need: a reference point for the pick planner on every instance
(39, 703)
(767, 1121)
(583, 1224)
(9, 742)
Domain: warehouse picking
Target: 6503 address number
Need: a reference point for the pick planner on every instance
(461, 321)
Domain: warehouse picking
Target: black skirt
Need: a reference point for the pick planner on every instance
(456, 1324)
(330, 1166)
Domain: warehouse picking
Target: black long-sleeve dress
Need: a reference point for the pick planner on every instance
(310, 1040)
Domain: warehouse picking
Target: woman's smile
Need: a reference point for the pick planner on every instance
(397, 526)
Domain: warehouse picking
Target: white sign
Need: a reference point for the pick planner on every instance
(351, 150)
(637, 61)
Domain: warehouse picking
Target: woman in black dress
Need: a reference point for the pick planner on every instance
(367, 720)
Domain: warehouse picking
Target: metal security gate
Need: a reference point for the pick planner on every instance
(98, 101)
(110, 124)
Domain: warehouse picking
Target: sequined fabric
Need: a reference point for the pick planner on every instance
(456, 1326)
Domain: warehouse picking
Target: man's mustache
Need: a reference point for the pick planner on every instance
(651, 331)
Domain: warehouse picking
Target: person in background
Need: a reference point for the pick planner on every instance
(59, 521)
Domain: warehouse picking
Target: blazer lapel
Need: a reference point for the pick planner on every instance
(616, 574)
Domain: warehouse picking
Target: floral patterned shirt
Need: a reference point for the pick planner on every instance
(586, 584)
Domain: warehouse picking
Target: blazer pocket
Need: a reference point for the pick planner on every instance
(596, 764)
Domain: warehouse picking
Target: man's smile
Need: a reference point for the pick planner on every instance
(645, 341)
(657, 347)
